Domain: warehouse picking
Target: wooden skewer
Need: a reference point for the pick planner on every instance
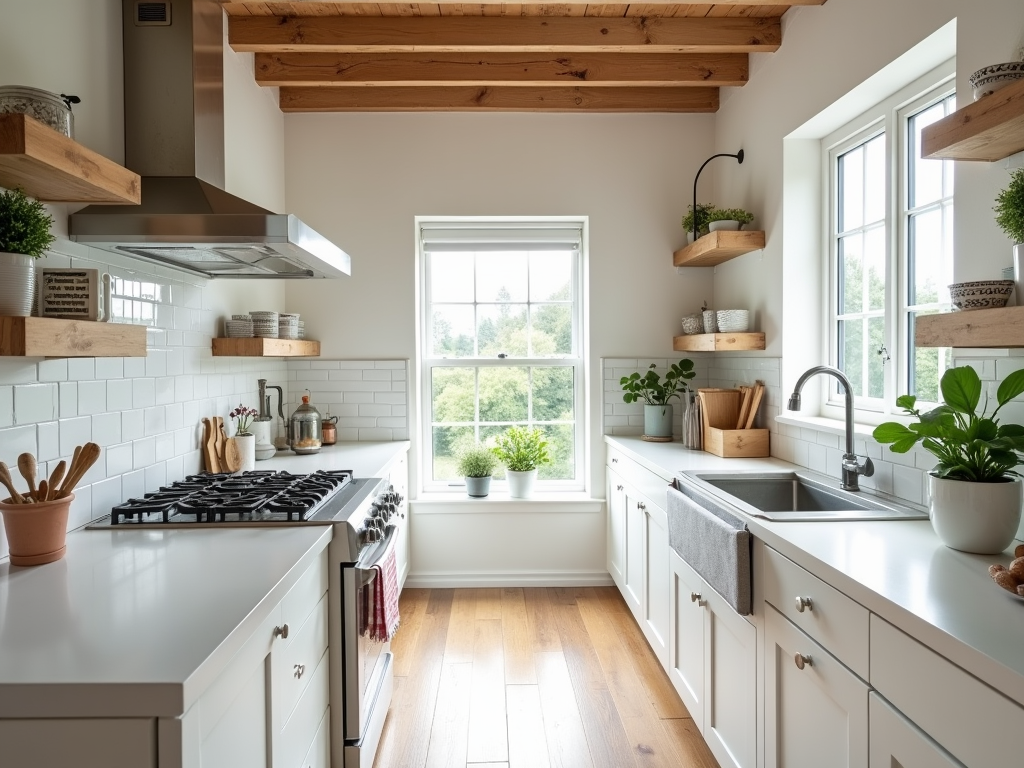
(86, 458)
(5, 478)
(27, 467)
(55, 477)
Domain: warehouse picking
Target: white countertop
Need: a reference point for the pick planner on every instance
(897, 569)
(365, 459)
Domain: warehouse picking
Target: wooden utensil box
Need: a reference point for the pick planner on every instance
(720, 408)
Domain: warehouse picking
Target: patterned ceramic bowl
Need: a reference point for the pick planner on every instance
(693, 324)
(981, 294)
(987, 80)
(733, 320)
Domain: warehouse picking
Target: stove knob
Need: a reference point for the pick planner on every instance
(372, 535)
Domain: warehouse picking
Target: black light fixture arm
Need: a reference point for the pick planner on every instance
(739, 159)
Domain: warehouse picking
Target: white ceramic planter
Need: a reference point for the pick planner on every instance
(478, 487)
(520, 484)
(658, 420)
(17, 277)
(729, 225)
(975, 517)
(247, 450)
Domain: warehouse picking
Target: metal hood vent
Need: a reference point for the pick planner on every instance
(174, 138)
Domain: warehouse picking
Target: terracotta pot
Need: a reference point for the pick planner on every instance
(36, 532)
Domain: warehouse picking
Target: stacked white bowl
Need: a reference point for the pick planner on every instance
(302, 329)
(239, 327)
(733, 320)
(287, 326)
(264, 324)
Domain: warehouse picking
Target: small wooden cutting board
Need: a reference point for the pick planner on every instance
(232, 456)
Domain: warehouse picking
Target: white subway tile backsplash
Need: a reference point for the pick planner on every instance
(81, 368)
(109, 367)
(17, 440)
(47, 441)
(133, 424)
(119, 459)
(53, 370)
(133, 484)
(143, 452)
(6, 406)
(92, 397)
(143, 393)
(35, 402)
(106, 428)
(73, 433)
(106, 494)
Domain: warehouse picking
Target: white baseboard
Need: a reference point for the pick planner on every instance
(440, 580)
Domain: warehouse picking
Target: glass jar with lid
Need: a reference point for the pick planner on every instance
(304, 433)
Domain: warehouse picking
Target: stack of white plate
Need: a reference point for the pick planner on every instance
(264, 324)
(288, 326)
(733, 320)
(302, 329)
(239, 327)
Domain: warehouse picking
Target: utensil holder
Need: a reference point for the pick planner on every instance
(720, 408)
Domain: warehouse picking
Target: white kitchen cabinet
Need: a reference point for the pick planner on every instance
(646, 583)
(895, 741)
(713, 666)
(816, 710)
(398, 477)
(616, 496)
(633, 567)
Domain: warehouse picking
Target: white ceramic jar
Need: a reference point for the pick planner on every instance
(981, 518)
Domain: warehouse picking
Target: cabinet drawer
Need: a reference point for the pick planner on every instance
(831, 618)
(299, 732)
(303, 597)
(295, 660)
(943, 699)
(653, 486)
(897, 741)
(319, 753)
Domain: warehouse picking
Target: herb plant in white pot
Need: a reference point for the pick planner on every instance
(24, 237)
(657, 396)
(477, 465)
(521, 450)
(975, 489)
(1010, 218)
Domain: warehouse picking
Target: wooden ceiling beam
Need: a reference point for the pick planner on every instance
(276, 34)
(499, 99)
(520, 69)
(332, 7)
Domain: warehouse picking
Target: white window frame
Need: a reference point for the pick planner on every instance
(504, 227)
(891, 117)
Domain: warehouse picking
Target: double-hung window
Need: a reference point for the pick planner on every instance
(501, 341)
(889, 229)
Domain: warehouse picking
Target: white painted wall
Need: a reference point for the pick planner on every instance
(361, 178)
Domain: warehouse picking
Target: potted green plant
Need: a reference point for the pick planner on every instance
(657, 396)
(244, 416)
(477, 465)
(702, 212)
(728, 218)
(24, 237)
(521, 450)
(975, 489)
(1009, 210)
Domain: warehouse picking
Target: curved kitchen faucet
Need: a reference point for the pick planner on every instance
(853, 465)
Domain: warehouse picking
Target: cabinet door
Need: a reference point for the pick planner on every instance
(816, 715)
(633, 581)
(686, 643)
(657, 580)
(730, 675)
(616, 529)
(895, 741)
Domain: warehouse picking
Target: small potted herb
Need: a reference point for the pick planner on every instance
(702, 213)
(975, 488)
(657, 396)
(1010, 218)
(24, 237)
(521, 450)
(477, 465)
(728, 218)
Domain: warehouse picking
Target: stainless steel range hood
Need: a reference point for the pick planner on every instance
(174, 138)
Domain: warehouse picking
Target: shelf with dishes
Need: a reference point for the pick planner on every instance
(718, 247)
(1001, 328)
(264, 347)
(989, 129)
(719, 342)
(53, 337)
(53, 168)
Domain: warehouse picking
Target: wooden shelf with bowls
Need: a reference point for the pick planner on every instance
(989, 129)
(719, 342)
(717, 247)
(1001, 328)
(51, 167)
(51, 337)
(261, 347)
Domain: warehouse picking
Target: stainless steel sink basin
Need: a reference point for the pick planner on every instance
(799, 496)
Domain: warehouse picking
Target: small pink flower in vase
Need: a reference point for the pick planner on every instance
(244, 418)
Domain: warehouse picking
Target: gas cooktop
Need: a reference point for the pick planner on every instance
(259, 497)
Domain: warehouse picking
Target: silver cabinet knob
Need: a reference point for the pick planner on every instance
(615, 461)
(695, 597)
(618, 487)
(299, 670)
(802, 661)
(641, 505)
(281, 631)
(804, 603)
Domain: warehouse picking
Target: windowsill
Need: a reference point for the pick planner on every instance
(834, 426)
(443, 502)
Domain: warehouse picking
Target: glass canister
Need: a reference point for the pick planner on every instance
(692, 431)
(304, 435)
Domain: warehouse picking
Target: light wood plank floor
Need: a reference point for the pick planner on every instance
(531, 678)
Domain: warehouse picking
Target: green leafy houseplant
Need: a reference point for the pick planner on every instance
(969, 446)
(521, 449)
(24, 225)
(730, 214)
(703, 212)
(477, 461)
(1010, 207)
(652, 390)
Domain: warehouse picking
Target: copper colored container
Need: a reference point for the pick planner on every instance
(329, 430)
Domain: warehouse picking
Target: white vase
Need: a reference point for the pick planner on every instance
(730, 225)
(657, 420)
(520, 484)
(975, 517)
(247, 450)
(17, 278)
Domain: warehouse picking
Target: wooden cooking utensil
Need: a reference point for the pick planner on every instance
(232, 455)
(5, 478)
(55, 477)
(219, 440)
(758, 394)
(209, 457)
(89, 453)
(27, 467)
(744, 406)
(43, 491)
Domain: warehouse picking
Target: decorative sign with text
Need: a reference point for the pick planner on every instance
(70, 293)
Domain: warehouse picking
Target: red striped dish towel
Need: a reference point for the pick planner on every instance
(384, 611)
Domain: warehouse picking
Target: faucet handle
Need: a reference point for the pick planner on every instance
(854, 465)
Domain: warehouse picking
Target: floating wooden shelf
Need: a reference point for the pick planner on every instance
(260, 347)
(990, 129)
(718, 246)
(718, 342)
(1001, 328)
(51, 167)
(50, 337)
